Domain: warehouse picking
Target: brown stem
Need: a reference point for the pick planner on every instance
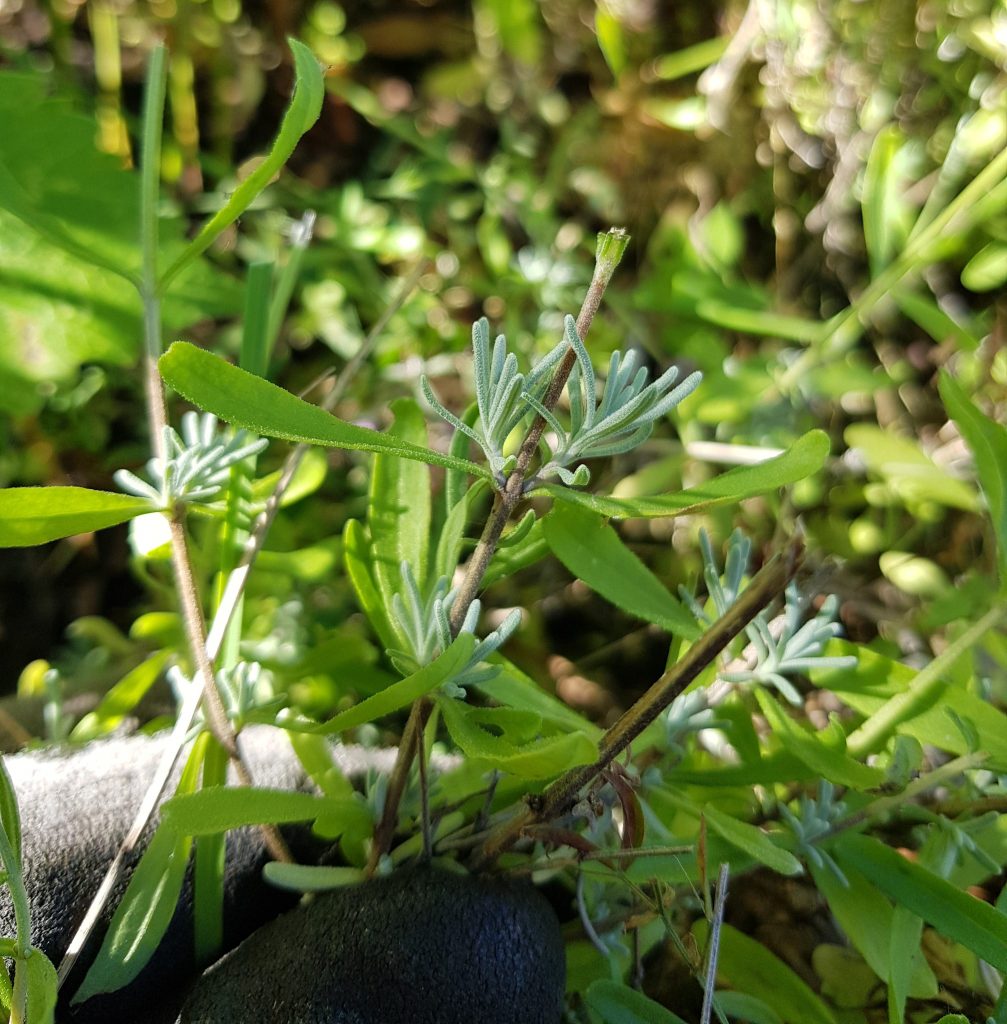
(216, 715)
(563, 794)
(611, 246)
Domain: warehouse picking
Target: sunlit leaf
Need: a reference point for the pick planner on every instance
(753, 841)
(616, 1003)
(248, 401)
(805, 456)
(305, 106)
(398, 515)
(975, 924)
(593, 552)
(36, 515)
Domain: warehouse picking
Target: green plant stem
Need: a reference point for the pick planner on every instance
(611, 246)
(22, 925)
(923, 690)
(564, 793)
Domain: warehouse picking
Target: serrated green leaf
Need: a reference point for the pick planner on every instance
(749, 967)
(987, 441)
(834, 765)
(805, 456)
(245, 400)
(405, 691)
(398, 515)
(594, 552)
(961, 917)
(616, 1003)
(36, 515)
(753, 841)
(305, 106)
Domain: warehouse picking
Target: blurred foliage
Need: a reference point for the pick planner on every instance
(818, 200)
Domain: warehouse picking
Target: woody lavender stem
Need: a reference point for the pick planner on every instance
(611, 246)
(564, 793)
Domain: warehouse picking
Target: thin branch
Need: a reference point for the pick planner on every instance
(564, 793)
(611, 246)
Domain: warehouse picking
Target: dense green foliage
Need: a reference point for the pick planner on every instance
(817, 199)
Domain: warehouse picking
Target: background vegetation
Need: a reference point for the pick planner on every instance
(817, 198)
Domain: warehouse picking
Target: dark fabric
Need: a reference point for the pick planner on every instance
(420, 947)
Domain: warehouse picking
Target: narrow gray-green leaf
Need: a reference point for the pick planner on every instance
(594, 552)
(805, 456)
(35, 515)
(248, 401)
(961, 917)
(305, 106)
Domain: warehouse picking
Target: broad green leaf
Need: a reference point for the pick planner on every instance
(876, 682)
(832, 764)
(885, 213)
(987, 269)
(538, 759)
(961, 917)
(611, 39)
(753, 841)
(904, 467)
(42, 987)
(750, 968)
(36, 515)
(121, 698)
(594, 552)
(405, 691)
(245, 400)
(867, 917)
(907, 963)
(616, 1003)
(305, 106)
(804, 457)
(359, 560)
(398, 516)
(221, 808)
(987, 441)
(512, 688)
(148, 905)
(310, 877)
